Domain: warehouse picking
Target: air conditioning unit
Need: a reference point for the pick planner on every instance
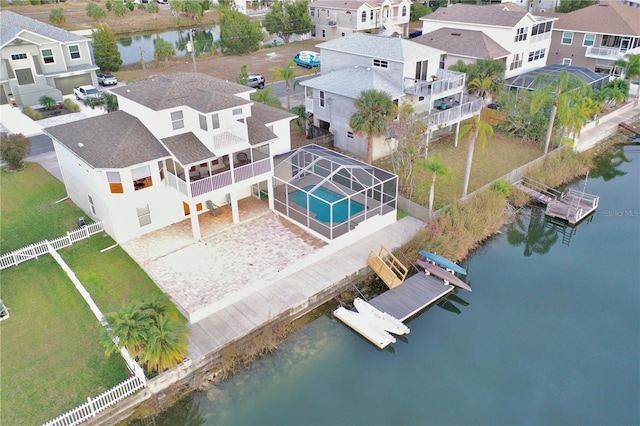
(332, 23)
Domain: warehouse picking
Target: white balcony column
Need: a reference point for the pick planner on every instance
(195, 223)
(271, 192)
(233, 203)
(455, 141)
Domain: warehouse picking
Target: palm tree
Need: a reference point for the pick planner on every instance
(560, 92)
(476, 130)
(630, 68)
(579, 114)
(460, 66)
(435, 166)
(167, 344)
(373, 109)
(481, 86)
(130, 325)
(267, 97)
(288, 74)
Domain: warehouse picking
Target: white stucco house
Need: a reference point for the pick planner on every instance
(332, 19)
(409, 72)
(38, 59)
(505, 31)
(178, 144)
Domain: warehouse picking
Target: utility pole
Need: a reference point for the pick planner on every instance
(193, 50)
(144, 66)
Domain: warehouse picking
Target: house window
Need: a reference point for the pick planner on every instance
(324, 34)
(144, 215)
(521, 34)
(371, 16)
(379, 63)
(567, 37)
(215, 121)
(18, 56)
(350, 135)
(536, 54)
(161, 169)
(312, 11)
(364, 16)
(404, 10)
(115, 183)
(177, 120)
(74, 51)
(443, 59)
(516, 63)
(566, 61)
(47, 56)
(236, 111)
(91, 205)
(421, 70)
(342, 34)
(321, 99)
(589, 40)
(141, 177)
(203, 122)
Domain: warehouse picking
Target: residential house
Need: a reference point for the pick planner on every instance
(526, 37)
(596, 36)
(409, 72)
(332, 18)
(38, 59)
(536, 6)
(180, 145)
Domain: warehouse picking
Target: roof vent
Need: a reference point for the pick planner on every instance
(80, 144)
(456, 34)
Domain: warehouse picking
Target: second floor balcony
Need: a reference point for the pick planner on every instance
(445, 83)
(609, 53)
(453, 113)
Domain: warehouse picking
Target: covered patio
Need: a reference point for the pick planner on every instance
(331, 194)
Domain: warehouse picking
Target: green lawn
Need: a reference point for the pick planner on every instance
(500, 156)
(51, 358)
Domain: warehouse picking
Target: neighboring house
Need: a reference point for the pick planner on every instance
(536, 6)
(332, 19)
(180, 145)
(38, 59)
(463, 45)
(409, 72)
(526, 37)
(596, 36)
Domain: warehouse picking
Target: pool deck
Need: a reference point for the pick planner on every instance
(293, 290)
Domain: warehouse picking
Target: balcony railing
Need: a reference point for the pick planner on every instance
(446, 83)
(610, 53)
(470, 106)
(219, 180)
(308, 105)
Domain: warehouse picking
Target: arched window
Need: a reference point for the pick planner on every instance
(364, 16)
(404, 10)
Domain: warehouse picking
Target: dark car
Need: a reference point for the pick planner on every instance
(415, 34)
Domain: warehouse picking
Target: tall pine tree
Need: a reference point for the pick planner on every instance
(105, 49)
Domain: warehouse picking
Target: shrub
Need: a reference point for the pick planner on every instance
(120, 9)
(47, 102)
(142, 6)
(13, 148)
(94, 11)
(130, 5)
(109, 5)
(30, 112)
(57, 17)
(71, 106)
(502, 187)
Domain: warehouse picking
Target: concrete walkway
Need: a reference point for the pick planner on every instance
(607, 126)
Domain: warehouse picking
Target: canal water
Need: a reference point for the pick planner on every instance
(550, 335)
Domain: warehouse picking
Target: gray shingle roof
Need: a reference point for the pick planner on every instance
(472, 44)
(110, 141)
(608, 18)
(501, 15)
(351, 82)
(389, 48)
(187, 148)
(201, 92)
(267, 114)
(12, 24)
(258, 132)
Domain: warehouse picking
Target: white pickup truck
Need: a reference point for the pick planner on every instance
(85, 92)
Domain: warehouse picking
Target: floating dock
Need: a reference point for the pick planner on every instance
(572, 206)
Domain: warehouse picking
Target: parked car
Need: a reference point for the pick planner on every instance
(107, 79)
(86, 92)
(307, 59)
(255, 80)
(415, 34)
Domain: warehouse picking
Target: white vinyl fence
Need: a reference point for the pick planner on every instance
(33, 251)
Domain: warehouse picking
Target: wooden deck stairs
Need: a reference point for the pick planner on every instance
(572, 206)
(387, 267)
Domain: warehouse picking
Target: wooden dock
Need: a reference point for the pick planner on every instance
(629, 128)
(572, 206)
(415, 294)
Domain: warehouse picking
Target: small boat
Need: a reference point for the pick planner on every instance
(443, 261)
(443, 274)
(379, 319)
(362, 325)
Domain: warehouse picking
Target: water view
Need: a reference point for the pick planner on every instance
(548, 336)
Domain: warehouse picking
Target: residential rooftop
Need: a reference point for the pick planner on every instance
(12, 24)
(610, 17)
(468, 43)
(501, 15)
(351, 82)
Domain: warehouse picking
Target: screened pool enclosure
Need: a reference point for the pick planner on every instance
(331, 193)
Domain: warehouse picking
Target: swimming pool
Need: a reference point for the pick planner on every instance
(321, 208)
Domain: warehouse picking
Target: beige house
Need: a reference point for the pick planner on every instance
(38, 59)
(333, 19)
(596, 36)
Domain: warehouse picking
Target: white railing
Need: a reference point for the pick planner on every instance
(446, 82)
(455, 114)
(308, 105)
(612, 53)
(38, 249)
(95, 405)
